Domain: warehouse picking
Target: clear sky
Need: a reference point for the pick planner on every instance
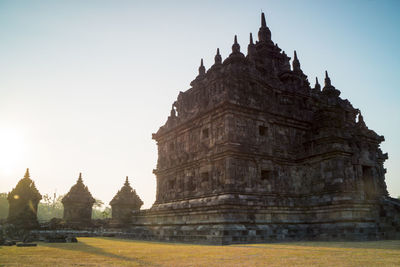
(84, 84)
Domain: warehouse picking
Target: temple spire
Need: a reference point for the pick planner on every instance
(202, 69)
(329, 89)
(327, 80)
(251, 48)
(263, 23)
(27, 175)
(264, 34)
(126, 181)
(218, 58)
(296, 63)
(235, 46)
(80, 178)
(317, 85)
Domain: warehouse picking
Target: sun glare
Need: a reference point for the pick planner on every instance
(11, 150)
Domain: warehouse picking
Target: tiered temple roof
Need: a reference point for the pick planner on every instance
(79, 193)
(127, 196)
(25, 190)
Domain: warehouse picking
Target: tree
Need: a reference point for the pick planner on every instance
(3, 206)
(99, 211)
(50, 207)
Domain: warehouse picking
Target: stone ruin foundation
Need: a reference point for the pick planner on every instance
(253, 153)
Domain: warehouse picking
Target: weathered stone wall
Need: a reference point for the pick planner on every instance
(78, 213)
(202, 222)
(78, 203)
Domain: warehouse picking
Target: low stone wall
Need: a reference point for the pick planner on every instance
(230, 224)
(234, 224)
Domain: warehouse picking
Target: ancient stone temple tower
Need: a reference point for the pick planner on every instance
(23, 202)
(78, 204)
(251, 153)
(124, 203)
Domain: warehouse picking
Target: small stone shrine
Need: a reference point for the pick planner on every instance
(23, 203)
(78, 203)
(253, 153)
(124, 203)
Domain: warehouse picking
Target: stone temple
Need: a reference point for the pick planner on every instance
(23, 203)
(253, 153)
(78, 203)
(124, 203)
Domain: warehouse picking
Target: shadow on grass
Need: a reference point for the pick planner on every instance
(150, 242)
(83, 247)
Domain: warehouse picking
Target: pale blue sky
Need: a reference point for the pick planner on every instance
(83, 84)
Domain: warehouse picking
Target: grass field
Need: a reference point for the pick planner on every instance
(117, 252)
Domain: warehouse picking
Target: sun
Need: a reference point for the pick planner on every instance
(12, 149)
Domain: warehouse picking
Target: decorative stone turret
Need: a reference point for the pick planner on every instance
(236, 49)
(317, 86)
(78, 204)
(218, 58)
(124, 203)
(264, 33)
(202, 69)
(235, 46)
(251, 48)
(202, 72)
(23, 202)
(296, 63)
(329, 89)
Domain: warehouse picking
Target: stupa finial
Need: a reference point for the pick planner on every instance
(263, 22)
(264, 34)
(235, 46)
(202, 69)
(329, 89)
(218, 58)
(80, 178)
(251, 47)
(296, 63)
(27, 175)
(317, 85)
(327, 80)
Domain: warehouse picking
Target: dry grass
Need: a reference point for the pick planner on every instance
(117, 252)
